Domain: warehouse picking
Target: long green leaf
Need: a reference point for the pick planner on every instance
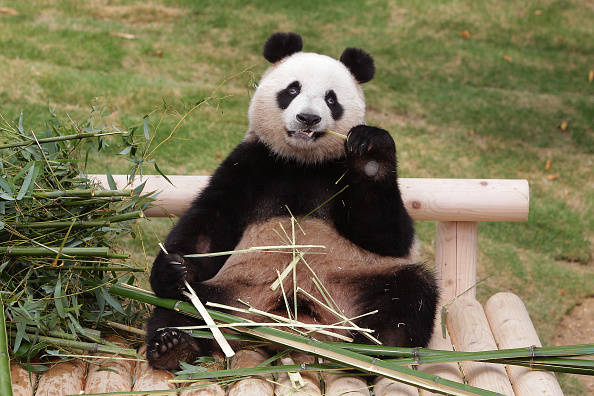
(5, 379)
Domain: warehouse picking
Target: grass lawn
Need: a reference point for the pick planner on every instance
(469, 89)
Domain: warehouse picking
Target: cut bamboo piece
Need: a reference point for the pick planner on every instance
(387, 387)
(150, 379)
(22, 384)
(345, 385)
(258, 385)
(425, 199)
(311, 381)
(513, 328)
(470, 332)
(63, 378)
(110, 374)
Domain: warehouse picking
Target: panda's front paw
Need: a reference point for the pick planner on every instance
(168, 275)
(370, 150)
(169, 347)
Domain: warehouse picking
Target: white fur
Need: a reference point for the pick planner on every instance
(317, 75)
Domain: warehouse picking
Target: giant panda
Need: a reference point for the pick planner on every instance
(343, 193)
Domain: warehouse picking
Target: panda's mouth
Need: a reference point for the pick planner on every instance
(305, 135)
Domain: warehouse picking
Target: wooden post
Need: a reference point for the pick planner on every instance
(456, 258)
(470, 332)
(513, 328)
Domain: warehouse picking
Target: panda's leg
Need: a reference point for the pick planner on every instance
(167, 346)
(406, 301)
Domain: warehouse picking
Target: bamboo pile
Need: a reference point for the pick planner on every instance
(59, 251)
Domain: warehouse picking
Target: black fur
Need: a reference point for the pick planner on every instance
(360, 64)
(286, 96)
(335, 107)
(281, 45)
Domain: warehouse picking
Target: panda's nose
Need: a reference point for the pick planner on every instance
(308, 120)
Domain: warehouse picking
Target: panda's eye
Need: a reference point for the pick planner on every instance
(293, 91)
(331, 98)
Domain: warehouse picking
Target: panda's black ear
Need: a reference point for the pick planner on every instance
(359, 63)
(281, 45)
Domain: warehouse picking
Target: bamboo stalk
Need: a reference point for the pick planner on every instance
(86, 346)
(94, 268)
(81, 193)
(83, 135)
(105, 221)
(66, 252)
(5, 378)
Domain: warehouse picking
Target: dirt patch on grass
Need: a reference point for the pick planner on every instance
(577, 327)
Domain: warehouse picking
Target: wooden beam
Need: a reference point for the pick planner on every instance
(425, 199)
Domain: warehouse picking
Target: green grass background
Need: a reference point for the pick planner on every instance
(469, 89)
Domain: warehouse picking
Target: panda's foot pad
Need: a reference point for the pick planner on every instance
(169, 347)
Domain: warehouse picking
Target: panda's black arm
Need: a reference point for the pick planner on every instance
(370, 211)
(214, 222)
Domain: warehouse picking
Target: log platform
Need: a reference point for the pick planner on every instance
(456, 205)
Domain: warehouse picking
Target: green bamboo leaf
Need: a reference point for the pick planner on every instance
(110, 180)
(23, 171)
(4, 186)
(111, 301)
(58, 299)
(146, 130)
(125, 151)
(5, 381)
(26, 183)
(162, 174)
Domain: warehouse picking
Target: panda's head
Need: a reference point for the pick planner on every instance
(303, 95)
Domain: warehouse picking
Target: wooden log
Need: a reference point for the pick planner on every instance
(150, 379)
(470, 332)
(311, 381)
(456, 258)
(22, 383)
(449, 371)
(258, 385)
(345, 385)
(425, 199)
(207, 388)
(387, 387)
(111, 374)
(63, 378)
(512, 328)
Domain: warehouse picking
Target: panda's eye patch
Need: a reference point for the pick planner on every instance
(335, 107)
(286, 96)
